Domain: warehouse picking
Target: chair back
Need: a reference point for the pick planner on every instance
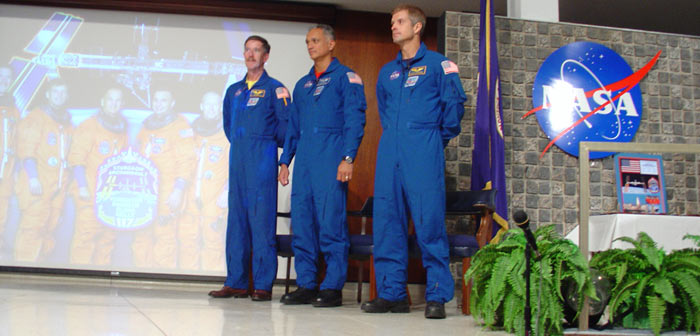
(472, 202)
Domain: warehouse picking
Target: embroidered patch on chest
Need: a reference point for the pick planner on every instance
(417, 71)
(318, 90)
(252, 101)
(394, 75)
(257, 93)
(411, 81)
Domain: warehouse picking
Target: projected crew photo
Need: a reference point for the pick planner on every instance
(113, 151)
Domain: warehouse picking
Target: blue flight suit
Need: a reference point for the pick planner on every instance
(255, 122)
(420, 107)
(326, 124)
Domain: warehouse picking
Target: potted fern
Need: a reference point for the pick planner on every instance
(652, 289)
(498, 290)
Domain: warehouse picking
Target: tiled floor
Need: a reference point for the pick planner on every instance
(60, 305)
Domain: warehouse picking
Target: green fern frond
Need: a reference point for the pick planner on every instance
(511, 309)
(607, 257)
(641, 286)
(652, 255)
(688, 284)
(496, 285)
(621, 295)
(645, 240)
(674, 320)
(629, 240)
(559, 279)
(688, 312)
(551, 313)
(517, 284)
(620, 277)
(688, 262)
(657, 309)
(663, 287)
(547, 232)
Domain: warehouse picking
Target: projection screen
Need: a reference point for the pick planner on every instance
(70, 199)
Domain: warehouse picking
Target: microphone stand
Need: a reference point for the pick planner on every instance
(527, 311)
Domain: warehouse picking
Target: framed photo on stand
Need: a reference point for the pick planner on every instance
(641, 187)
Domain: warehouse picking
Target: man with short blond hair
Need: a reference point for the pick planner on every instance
(202, 226)
(415, 14)
(43, 143)
(420, 100)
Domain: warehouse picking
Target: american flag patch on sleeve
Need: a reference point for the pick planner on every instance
(282, 92)
(449, 67)
(354, 78)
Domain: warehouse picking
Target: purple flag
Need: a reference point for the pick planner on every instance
(488, 166)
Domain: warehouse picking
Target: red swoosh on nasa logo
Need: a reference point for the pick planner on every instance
(626, 83)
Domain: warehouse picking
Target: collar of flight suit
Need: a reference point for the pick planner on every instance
(331, 67)
(155, 121)
(261, 81)
(419, 55)
(114, 124)
(207, 127)
(60, 116)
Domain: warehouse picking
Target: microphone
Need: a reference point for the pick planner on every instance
(523, 222)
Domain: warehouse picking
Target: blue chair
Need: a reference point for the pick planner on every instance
(284, 249)
(362, 245)
(479, 204)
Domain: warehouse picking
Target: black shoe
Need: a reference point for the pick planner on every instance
(300, 296)
(435, 310)
(380, 305)
(328, 298)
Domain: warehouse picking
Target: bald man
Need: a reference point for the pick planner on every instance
(95, 140)
(325, 130)
(202, 226)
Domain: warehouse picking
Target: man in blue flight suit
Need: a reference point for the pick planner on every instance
(325, 129)
(420, 100)
(256, 111)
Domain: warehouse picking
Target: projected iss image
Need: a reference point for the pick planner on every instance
(113, 153)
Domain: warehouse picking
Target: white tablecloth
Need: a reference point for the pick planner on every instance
(666, 231)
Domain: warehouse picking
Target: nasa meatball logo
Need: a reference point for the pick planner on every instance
(585, 91)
